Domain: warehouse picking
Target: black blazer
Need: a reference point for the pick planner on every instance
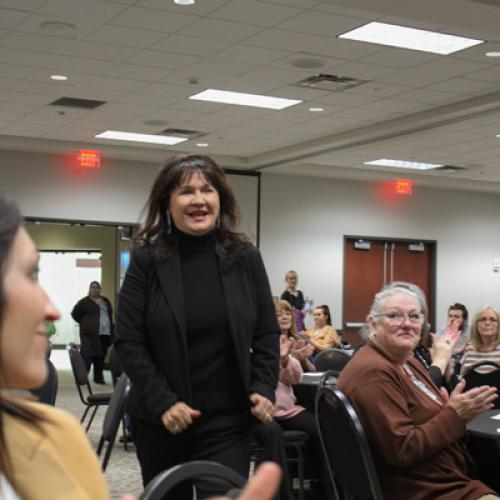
(87, 314)
(151, 330)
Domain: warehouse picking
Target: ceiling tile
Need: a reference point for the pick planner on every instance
(434, 72)
(121, 35)
(217, 29)
(69, 63)
(54, 89)
(190, 45)
(81, 9)
(153, 19)
(122, 84)
(101, 51)
(36, 43)
(254, 55)
(464, 86)
(321, 23)
(199, 8)
(9, 19)
(22, 57)
(399, 58)
(255, 12)
(167, 60)
(137, 72)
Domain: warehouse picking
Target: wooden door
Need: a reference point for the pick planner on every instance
(365, 267)
(370, 265)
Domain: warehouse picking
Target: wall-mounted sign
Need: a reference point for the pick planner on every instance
(88, 158)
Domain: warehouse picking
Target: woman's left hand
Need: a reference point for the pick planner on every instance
(262, 408)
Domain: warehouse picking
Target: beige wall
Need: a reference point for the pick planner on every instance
(66, 237)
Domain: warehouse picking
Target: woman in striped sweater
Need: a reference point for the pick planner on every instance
(484, 340)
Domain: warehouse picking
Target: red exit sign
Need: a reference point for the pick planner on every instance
(403, 187)
(88, 158)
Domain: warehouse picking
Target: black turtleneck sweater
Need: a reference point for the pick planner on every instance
(215, 377)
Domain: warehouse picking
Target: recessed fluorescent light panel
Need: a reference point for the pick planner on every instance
(117, 135)
(243, 99)
(411, 165)
(410, 38)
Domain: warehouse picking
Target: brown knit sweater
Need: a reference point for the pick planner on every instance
(416, 442)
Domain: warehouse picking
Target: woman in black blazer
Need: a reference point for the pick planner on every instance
(196, 326)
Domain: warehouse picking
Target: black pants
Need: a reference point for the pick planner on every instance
(313, 456)
(98, 361)
(221, 437)
(269, 438)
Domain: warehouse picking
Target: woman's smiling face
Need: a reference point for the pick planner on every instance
(194, 205)
(22, 337)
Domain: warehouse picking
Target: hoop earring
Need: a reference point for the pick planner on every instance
(169, 222)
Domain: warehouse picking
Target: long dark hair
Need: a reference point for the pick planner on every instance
(326, 312)
(153, 232)
(10, 222)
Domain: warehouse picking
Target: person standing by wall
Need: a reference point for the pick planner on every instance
(94, 314)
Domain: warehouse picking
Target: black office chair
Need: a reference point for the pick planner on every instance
(48, 391)
(475, 378)
(199, 470)
(91, 400)
(331, 360)
(345, 446)
(113, 417)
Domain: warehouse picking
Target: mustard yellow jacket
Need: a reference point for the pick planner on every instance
(56, 464)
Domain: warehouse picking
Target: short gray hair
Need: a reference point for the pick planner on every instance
(395, 288)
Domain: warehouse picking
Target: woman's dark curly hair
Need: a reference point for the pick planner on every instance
(153, 232)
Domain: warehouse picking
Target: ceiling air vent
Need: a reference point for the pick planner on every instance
(185, 134)
(74, 102)
(449, 168)
(333, 83)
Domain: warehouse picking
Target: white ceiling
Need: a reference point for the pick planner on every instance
(145, 57)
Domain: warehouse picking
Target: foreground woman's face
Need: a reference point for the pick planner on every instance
(22, 338)
(195, 205)
(397, 330)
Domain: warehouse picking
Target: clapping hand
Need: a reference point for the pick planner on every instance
(469, 404)
(301, 351)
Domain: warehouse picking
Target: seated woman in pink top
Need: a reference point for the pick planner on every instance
(289, 415)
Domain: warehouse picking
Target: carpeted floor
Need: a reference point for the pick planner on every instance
(122, 474)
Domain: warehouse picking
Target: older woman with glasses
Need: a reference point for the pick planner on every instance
(414, 429)
(484, 341)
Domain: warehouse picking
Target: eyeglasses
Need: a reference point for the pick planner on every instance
(491, 319)
(397, 318)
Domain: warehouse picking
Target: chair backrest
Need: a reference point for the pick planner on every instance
(198, 470)
(345, 446)
(48, 391)
(475, 378)
(114, 412)
(331, 359)
(115, 364)
(79, 371)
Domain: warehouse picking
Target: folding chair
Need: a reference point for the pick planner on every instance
(90, 400)
(475, 378)
(198, 470)
(331, 359)
(113, 417)
(345, 446)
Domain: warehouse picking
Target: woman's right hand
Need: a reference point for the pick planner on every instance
(471, 403)
(179, 417)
